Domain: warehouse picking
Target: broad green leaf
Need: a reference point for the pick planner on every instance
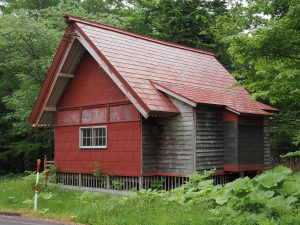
(271, 178)
(261, 196)
(28, 201)
(46, 196)
(281, 203)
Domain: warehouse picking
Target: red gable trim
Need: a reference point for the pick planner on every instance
(58, 59)
(37, 109)
(69, 19)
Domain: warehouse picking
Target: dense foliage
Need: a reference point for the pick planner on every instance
(258, 40)
(263, 38)
(269, 199)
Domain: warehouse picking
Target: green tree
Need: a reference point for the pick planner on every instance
(25, 57)
(29, 37)
(264, 42)
(10, 5)
(187, 22)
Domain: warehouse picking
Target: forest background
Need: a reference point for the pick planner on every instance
(258, 41)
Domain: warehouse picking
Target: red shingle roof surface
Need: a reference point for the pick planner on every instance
(236, 99)
(191, 73)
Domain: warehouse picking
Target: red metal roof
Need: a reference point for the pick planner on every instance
(139, 62)
(235, 99)
(195, 74)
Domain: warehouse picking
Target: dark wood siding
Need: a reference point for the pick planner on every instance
(267, 146)
(230, 143)
(168, 143)
(209, 138)
(250, 145)
(244, 142)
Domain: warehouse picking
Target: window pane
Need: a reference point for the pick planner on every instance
(104, 141)
(93, 137)
(86, 137)
(89, 142)
(97, 136)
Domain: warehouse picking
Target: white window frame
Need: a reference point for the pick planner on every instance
(91, 147)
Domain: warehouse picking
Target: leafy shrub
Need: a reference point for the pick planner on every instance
(53, 168)
(30, 177)
(157, 185)
(291, 154)
(270, 198)
(117, 185)
(98, 172)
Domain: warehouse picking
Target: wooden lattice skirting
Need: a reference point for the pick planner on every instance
(128, 183)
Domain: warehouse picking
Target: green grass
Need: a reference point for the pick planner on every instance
(16, 194)
(269, 199)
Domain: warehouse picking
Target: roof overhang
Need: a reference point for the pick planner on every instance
(265, 109)
(175, 95)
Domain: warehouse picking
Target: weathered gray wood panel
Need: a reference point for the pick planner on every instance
(209, 138)
(267, 145)
(168, 143)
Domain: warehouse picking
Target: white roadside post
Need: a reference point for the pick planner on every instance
(36, 185)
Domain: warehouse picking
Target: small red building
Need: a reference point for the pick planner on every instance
(145, 109)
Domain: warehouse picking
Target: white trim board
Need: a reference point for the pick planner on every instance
(183, 99)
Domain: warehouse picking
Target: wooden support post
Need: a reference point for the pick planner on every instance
(241, 174)
(108, 181)
(66, 75)
(45, 171)
(50, 109)
(80, 180)
(141, 183)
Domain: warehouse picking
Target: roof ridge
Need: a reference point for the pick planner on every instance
(69, 19)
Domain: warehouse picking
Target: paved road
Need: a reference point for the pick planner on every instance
(8, 220)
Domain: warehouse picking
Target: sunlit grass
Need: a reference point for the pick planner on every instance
(16, 194)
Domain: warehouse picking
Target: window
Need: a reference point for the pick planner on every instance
(93, 137)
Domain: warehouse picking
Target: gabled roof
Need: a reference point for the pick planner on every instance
(145, 69)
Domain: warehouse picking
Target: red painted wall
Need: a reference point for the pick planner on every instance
(92, 88)
(230, 116)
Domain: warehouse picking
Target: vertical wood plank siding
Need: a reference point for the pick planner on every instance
(267, 146)
(168, 144)
(209, 139)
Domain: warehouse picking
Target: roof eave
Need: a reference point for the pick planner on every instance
(37, 108)
(173, 94)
